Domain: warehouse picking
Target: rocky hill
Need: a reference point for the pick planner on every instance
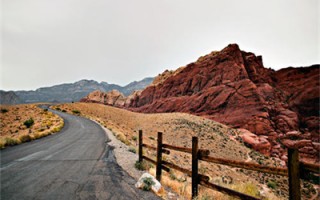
(233, 87)
(113, 98)
(9, 98)
(75, 91)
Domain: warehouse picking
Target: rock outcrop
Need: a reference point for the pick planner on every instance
(113, 98)
(233, 87)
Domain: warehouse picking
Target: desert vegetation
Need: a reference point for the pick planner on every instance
(23, 123)
(178, 129)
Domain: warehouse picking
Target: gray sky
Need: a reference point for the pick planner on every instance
(47, 42)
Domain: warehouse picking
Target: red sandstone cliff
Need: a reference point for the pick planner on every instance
(234, 88)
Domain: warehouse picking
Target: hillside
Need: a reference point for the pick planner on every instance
(9, 98)
(178, 129)
(73, 91)
(233, 87)
(25, 122)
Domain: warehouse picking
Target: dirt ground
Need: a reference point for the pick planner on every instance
(14, 126)
(178, 129)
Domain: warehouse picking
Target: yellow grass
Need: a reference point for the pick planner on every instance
(12, 128)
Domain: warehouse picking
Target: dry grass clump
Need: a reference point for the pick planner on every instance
(23, 123)
(178, 129)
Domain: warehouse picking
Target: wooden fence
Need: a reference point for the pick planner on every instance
(294, 171)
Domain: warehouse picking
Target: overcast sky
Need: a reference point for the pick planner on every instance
(48, 42)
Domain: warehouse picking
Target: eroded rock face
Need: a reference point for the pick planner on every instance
(234, 88)
(113, 98)
(258, 143)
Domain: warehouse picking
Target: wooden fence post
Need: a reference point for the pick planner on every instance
(294, 174)
(140, 146)
(159, 157)
(194, 177)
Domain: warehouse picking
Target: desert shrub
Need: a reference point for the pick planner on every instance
(134, 138)
(28, 123)
(57, 108)
(132, 149)
(247, 188)
(56, 129)
(142, 165)
(123, 139)
(48, 123)
(272, 185)
(25, 138)
(2, 144)
(4, 110)
(64, 111)
(11, 141)
(203, 197)
(37, 135)
(172, 176)
(148, 183)
(76, 112)
(41, 129)
(45, 110)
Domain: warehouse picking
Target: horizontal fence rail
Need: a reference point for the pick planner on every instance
(295, 170)
(245, 165)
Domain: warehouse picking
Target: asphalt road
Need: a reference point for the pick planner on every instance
(76, 163)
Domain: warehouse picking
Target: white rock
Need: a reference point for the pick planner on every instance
(155, 188)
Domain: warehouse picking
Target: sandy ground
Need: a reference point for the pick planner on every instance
(178, 129)
(12, 119)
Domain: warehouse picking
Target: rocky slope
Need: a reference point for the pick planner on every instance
(9, 98)
(233, 87)
(75, 91)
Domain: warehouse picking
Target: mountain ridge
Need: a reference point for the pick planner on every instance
(69, 92)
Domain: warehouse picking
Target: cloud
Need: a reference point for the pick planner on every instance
(51, 42)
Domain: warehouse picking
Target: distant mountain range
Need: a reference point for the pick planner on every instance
(68, 92)
(9, 98)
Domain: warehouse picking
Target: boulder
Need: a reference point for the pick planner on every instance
(258, 143)
(155, 187)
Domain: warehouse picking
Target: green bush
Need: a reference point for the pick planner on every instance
(141, 165)
(272, 185)
(28, 123)
(134, 138)
(76, 112)
(123, 139)
(3, 110)
(11, 141)
(151, 138)
(148, 183)
(172, 176)
(25, 138)
(132, 149)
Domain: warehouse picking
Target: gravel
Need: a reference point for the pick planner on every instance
(125, 158)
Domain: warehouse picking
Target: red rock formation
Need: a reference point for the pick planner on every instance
(113, 98)
(234, 88)
(258, 143)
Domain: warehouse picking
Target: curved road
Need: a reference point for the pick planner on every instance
(76, 163)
